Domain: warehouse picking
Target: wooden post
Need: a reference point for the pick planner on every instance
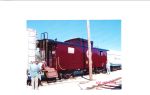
(89, 50)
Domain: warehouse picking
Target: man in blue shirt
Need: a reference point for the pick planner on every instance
(34, 72)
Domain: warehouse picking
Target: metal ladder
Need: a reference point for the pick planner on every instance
(44, 37)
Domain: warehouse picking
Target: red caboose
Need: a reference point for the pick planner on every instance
(70, 57)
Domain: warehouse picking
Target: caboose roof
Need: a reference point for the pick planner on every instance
(78, 39)
(81, 39)
(100, 49)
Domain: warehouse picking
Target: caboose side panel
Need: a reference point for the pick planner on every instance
(96, 58)
(69, 57)
(99, 58)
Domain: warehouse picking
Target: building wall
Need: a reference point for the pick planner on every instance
(114, 57)
(31, 45)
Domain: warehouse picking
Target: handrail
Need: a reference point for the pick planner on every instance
(46, 35)
(43, 35)
(59, 65)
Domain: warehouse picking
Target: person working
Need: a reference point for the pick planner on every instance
(34, 72)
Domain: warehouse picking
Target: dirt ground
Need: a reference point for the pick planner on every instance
(100, 82)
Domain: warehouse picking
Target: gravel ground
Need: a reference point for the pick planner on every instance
(100, 82)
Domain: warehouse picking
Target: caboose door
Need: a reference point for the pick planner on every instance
(52, 55)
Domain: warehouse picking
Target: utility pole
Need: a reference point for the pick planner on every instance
(89, 50)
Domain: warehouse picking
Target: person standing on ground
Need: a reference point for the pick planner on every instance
(108, 67)
(34, 72)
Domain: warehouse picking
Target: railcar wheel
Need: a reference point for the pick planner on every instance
(60, 76)
(67, 76)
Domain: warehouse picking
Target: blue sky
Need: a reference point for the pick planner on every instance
(105, 34)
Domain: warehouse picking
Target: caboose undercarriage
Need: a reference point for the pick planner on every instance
(66, 74)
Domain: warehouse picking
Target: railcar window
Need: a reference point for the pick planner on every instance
(101, 53)
(70, 50)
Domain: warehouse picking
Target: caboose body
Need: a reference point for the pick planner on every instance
(70, 58)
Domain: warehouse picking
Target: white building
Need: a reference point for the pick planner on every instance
(114, 57)
(31, 45)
